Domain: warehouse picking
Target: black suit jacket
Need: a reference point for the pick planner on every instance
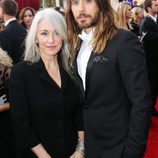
(150, 27)
(42, 112)
(12, 40)
(150, 43)
(117, 104)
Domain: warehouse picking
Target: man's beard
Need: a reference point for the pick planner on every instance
(92, 22)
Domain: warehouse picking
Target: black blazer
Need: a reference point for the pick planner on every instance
(42, 112)
(135, 28)
(12, 40)
(117, 104)
(150, 43)
(150, 27)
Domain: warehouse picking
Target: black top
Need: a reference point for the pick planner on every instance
(42, 112)
(4, 79)
(135, 28)
(7, 146)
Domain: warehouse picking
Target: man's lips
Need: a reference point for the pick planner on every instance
(82, 18)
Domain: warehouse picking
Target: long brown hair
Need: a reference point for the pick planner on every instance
(104, 30)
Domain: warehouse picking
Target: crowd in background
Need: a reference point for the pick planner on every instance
(19, 39)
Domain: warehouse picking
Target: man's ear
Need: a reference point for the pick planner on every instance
(148, 9)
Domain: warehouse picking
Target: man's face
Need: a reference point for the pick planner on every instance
(1, 13)
(85, 12)
(154, 7)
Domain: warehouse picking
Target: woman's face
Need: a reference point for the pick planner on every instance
(128, 13)
(48, 39)
(140, 14)
(28, 17)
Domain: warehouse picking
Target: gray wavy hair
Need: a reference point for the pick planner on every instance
(58, 22)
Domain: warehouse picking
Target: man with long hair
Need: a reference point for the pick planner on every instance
(111, 72)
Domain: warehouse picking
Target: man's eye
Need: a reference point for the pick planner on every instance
(74, 2)
(88, 1)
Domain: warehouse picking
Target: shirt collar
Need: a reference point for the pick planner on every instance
(8, 21)
(153, 17)
(86, 37)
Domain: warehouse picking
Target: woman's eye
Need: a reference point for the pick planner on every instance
(74, 2)
(44, 33)
(55, 33)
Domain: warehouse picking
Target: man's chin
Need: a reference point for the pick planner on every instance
(84, 26)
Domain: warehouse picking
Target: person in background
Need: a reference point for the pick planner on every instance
(135, 3)
(111, 72)
(59, 9)
(7, 146)
(137, 16)
(13, 36)
(2, 26)
(45, 101)
(26, 16)
(124, 12)
(149, 32)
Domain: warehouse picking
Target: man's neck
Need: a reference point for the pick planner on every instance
(7, 17)
(88, 30)
(152, 14)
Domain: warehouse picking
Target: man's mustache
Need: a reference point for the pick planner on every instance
(82, 15)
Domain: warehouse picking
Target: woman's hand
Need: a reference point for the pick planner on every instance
(40, 151)
(77, 154)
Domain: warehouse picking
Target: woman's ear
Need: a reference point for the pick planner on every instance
(37, 43)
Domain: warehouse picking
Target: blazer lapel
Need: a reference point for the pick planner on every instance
(65, 78)
(43, 74)
(78, 78)
(88, 72)
(88, 69)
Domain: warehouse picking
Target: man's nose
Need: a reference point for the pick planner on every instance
(81, 6)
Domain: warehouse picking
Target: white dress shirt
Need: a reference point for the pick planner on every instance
(153, 17)
(83, 55)
(8, 21)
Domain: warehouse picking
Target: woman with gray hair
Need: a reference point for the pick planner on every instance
(45, 101)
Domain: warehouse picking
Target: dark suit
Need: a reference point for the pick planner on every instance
(12, 40)
(117, 103)
(135, 28)
(150, 43)
(7, 145)
(42, 112)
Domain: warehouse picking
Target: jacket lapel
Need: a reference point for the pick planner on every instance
(65, 78)
(41, 71)
(78, 78)
(88, 70)
(43, 74)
